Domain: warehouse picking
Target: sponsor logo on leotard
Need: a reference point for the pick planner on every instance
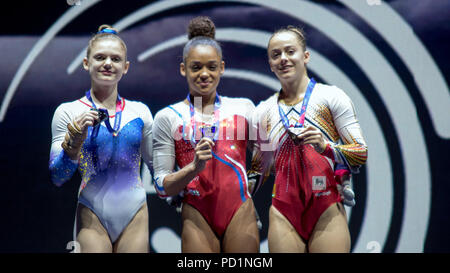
(319, 183)
(324, 193)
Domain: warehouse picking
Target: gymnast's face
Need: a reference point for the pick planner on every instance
(106, 62)
(287, 57)
(202, 69)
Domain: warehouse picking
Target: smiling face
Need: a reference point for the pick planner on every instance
(287, 56)
(202, 69)
(106, 62)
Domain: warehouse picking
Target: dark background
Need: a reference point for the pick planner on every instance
(38, 216)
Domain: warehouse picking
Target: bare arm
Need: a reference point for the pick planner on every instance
(175, 182)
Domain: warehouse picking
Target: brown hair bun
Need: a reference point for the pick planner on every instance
(201, 26)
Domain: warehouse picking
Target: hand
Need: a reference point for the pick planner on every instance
(88, 118)
(312, 135)
(347, 195)
(203, 153)
(345, 190)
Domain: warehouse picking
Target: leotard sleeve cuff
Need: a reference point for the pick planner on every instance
(328, 152)
(62, 168)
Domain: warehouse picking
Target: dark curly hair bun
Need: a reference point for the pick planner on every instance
(201, 26)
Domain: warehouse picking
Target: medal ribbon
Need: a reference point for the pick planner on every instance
(301, 120)
(214, 128)
(117, 120)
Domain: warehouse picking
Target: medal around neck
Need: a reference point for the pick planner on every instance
(102, 114)
(209, 131)
(296, 129)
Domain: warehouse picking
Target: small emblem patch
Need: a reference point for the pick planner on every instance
(319, 183)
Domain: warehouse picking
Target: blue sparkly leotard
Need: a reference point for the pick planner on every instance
(109, 165)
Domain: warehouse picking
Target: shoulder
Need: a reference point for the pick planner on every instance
(140, 108)
(66, 112)
(238, 102)
(265, 109)
(267, 104)
(334, 98)
(331, 91)
(237, 106)
(136, 104)
(66, 106)
(171, 111)
(71, 108)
